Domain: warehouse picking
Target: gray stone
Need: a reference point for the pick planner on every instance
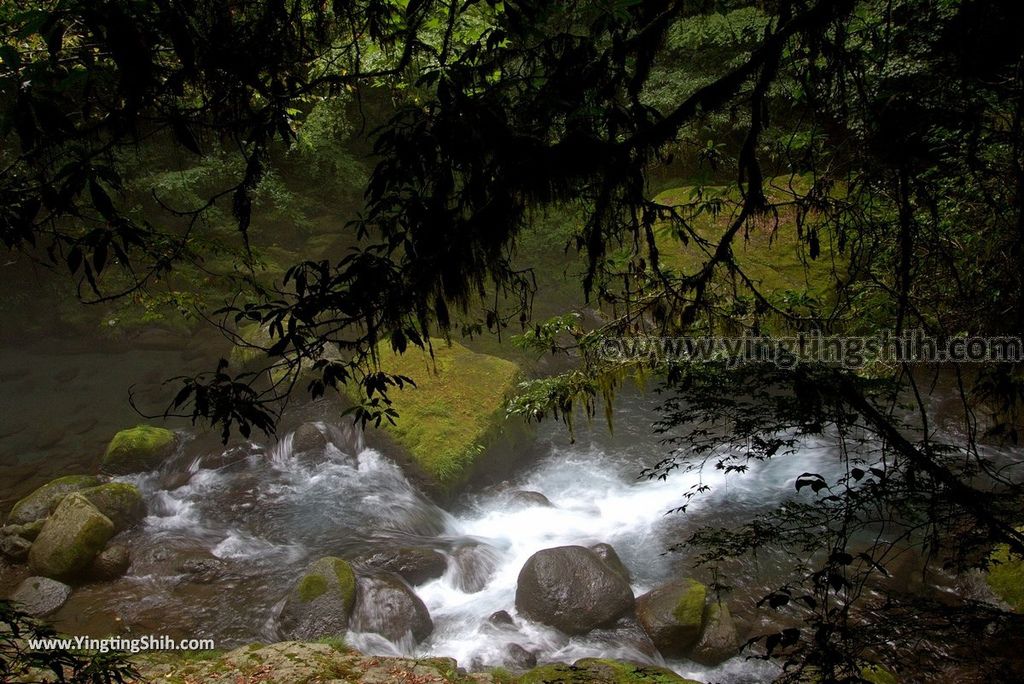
(321, 602)
(719, 640)
(387, 606)
(40, 596)
(572, 589)
(415, 565)
(70, 540)
(110, 563)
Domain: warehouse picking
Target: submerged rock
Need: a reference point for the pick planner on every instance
(525, 498)
(110, 563)
(387, 606)
(518, 658)
(572, 589)
(474, 566)
(321, 602)
(70, 540)
(40, 596)
(119, 501)
(41, 502)
(138, 449)
(309, 437)
(719, 640)
(501, 618)
(414, 565)
(673, 615)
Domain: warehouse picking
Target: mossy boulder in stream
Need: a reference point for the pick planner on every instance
(70, 540)
(718, 641)
(41, 502)
(119, 501)
(321, 602)
(387, 606)
(455, 411)
(138, 449)
(673, 616)
(1006, 577)
(602, 671)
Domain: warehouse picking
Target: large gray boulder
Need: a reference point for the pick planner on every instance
(40, 596)
(387, 606)
(321, 602)
(41, 502)
(673, 616)
(414, 565)
(70, 540)
(572, 589)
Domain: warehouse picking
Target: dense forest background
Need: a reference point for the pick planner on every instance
(361, 176)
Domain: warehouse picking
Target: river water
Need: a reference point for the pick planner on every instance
(230, 529)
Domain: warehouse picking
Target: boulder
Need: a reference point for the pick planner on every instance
(572, 589)
(415, 565)
(522, 498)
(110, 563)
(606, 553)
(321, 602)
(673, 615)
(308, 437)
(119, 501)
(625, 636)
(501, 618)
(719, 640)
(43, 500)
(14, 548)
(387, 606)
(138, 449)
(70, 540)
(40, 596)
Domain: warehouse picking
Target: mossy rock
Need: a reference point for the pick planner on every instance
(1006, 576)
(69, 541)
(119, 501)
(602, 671)
(455, 411)
(138, 449)
(253, 340)
(673, 615)
(45, 499)
(321, 602)
(876, 674)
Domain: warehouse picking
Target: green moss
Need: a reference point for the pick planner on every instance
(346, 580)
(142, 447)
(119, 501)
(604, 671)
(689, 609)
(311, 586)
(43, 500)
(70, 539)
(1006, 576)
(457, 406)
(253, 339)
(876, 674)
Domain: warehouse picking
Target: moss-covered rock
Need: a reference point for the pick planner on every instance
(876, 674)
(718, 640)
(321, 602)
(119, 501)
(138, 449)
(41, 502)
(1006, 576)
(387, 606)
(455, 411)
(70, 540)
(602, 671)
(673, 615)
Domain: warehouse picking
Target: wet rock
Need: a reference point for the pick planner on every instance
(601, 671)
(501, 618)
(70, 540)
(110, 563)
(572, 589)
(606, 553)
(175, 479)
(719, 640)
(673, 615)
(309, 437)
(522, 498)
(14, 548)
(474, 567)
(202, 570)
(387, 606)
(626, 636)
(415, 565)
(43, 500)
(321, 602)
(138, 449)
(518, 658)
(40, 596)
(119, 501)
